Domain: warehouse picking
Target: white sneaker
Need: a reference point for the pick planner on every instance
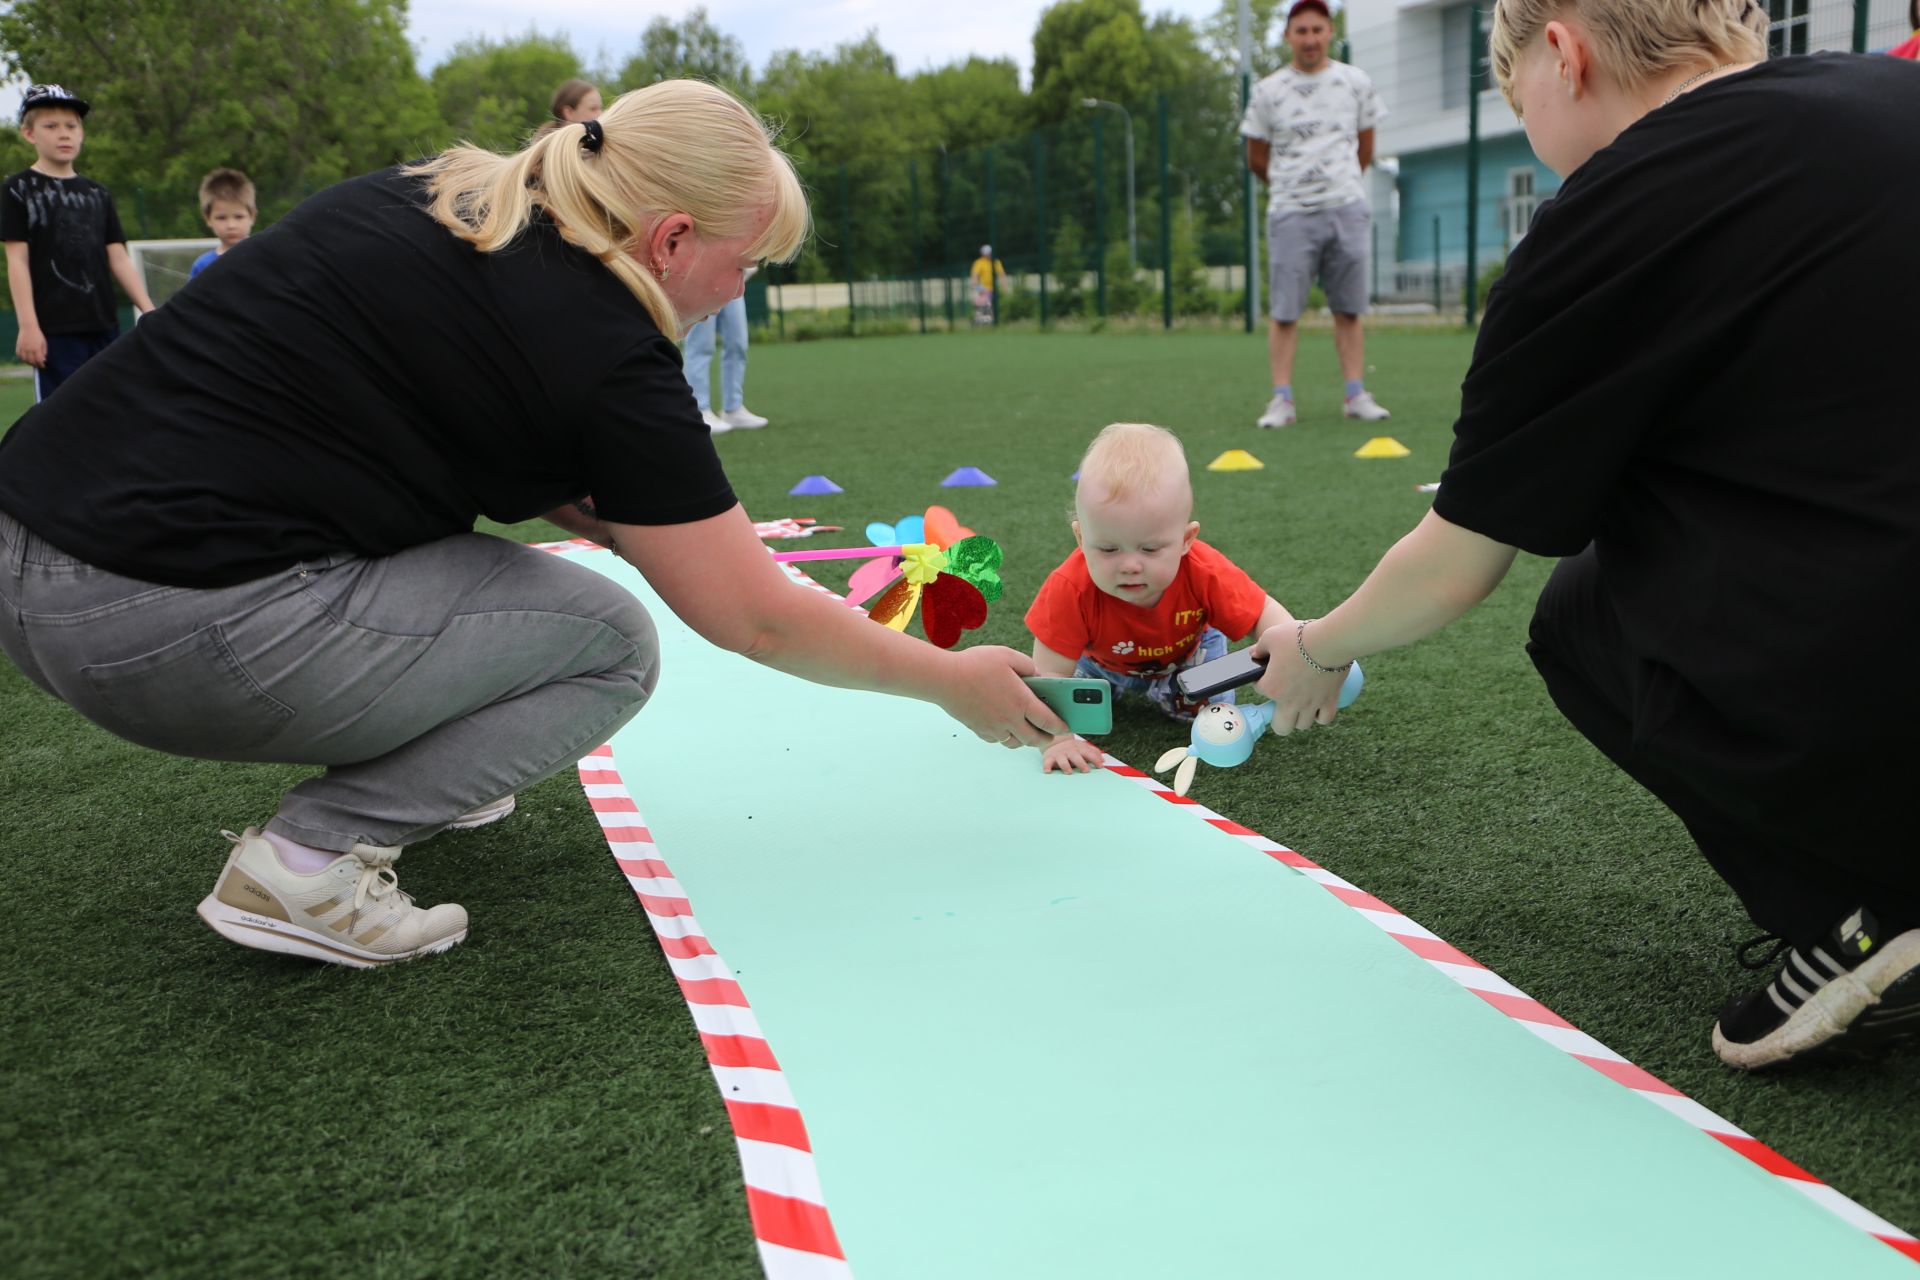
(1280, 413)
(352, 913)
(1366, 408)
(715, 423)
(744, 418)
(485, 814)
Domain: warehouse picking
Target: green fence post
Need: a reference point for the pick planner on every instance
(780, 305)
(946, 232)
(1251, 245)
(1436, 264)
(919, 271)
(1860, 26)
(993, 277)
(1040, 216)
(1166, 222)
(1099, 219)
(1476, 53)
(846, 242)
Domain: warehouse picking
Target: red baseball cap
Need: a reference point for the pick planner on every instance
(1309, 6)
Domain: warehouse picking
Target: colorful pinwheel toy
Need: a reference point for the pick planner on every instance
(953, 585)
(937, 559)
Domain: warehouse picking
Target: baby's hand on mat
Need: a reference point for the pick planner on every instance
(1070, 754)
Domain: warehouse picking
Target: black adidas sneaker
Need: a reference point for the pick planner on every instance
(1853, 990)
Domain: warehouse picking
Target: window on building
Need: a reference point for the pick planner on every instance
(1788, 34)
(1516, 210)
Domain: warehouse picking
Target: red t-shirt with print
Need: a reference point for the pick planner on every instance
(1073, 617)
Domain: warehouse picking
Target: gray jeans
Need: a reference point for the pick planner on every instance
(428, 683)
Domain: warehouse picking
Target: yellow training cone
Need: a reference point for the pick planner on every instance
(1235, 460)
(1382, 447)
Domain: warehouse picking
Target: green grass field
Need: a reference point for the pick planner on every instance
(537, 1101)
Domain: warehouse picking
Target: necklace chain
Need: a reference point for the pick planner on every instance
(1692, 80)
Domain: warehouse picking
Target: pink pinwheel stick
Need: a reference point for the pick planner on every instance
(839, 553)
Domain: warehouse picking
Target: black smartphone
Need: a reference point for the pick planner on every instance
(1196, 684)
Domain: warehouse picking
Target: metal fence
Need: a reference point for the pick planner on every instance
(1144, 213)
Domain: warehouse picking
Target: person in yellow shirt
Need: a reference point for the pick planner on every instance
(985, 269)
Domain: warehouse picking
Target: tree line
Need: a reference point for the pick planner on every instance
(304, 93)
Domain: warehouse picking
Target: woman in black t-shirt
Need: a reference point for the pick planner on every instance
(1694, 385)
(245, 531)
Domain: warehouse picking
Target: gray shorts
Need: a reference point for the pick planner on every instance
(1328, 244)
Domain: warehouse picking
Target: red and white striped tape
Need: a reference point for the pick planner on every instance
(1542, 1021)
(790, 1219)
(790, 1222)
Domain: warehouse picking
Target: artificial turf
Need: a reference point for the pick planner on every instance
(537, 1101)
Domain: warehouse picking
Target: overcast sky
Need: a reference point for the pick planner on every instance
(918, 33)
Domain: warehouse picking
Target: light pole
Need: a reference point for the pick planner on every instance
(1101, 102)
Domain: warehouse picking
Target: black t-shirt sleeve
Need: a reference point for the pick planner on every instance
(1552, 412)
(650, 458)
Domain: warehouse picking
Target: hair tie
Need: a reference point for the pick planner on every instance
(595, 135)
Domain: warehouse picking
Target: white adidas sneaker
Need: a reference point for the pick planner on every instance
(352, 913)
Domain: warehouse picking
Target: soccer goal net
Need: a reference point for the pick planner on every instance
(164, 264)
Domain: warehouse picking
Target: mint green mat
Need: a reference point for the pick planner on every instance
(1056, 1027)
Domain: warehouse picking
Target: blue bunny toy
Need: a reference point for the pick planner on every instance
(1224, 734)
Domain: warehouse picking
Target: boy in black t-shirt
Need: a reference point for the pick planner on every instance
(64, 245)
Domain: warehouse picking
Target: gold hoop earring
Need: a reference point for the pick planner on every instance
(661, 273)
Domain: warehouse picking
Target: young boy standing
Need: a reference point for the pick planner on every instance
(1142, 597)
(226, 202)
(64, 244)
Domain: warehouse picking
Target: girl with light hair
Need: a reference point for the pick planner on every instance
(293, 456)
(1694, 385)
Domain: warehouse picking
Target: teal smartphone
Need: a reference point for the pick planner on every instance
(1086, 705)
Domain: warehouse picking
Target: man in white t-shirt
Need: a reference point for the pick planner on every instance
(1309, 131)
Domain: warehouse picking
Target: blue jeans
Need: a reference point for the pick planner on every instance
(428, 682)
(731, 324)
(66, 352)
(1159, 689)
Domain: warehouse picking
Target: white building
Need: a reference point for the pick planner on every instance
(1417, 53)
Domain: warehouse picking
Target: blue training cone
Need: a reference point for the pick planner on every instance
(967, 476)
(815, 484)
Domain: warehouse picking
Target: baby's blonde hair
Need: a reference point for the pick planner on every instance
(679, 146)
(1128, 459)
(1634, 40)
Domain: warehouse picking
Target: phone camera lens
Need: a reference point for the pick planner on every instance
(1086, 695)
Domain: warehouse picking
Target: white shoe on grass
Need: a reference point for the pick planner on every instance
(352, 913)
(1280, 413)
(1366, 408)
(715, 423)
(485, 814)
(743, 418)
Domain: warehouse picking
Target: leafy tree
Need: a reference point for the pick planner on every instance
(972, 103)
(693, 48)
(1107, 49)
(849, 109)
(494, 93)
(1069, 254)
(298, 93)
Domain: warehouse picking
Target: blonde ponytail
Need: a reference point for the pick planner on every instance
(679, 146)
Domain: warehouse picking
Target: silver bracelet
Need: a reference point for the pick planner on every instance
(1300, 643)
